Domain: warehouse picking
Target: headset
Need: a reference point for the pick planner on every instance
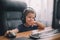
(23, 18)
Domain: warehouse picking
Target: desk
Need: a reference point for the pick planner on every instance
(23, 34)
(28, 33)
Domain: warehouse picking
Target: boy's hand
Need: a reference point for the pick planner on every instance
(33, 23)
(7, 32)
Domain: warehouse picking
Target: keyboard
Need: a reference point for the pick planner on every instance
(45, 34)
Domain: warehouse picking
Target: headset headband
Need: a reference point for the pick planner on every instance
(28, 8)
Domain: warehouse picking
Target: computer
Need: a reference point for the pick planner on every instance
(56, 15)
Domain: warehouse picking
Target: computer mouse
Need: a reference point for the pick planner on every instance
(11, 35)
(35, 36)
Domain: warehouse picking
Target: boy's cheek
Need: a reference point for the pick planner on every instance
(29, 23)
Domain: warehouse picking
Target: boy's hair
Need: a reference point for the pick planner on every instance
(26, 12)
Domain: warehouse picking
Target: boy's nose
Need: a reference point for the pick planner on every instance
(32, 19)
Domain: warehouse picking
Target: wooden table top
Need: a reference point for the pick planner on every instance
(23, 34)
(28, 33)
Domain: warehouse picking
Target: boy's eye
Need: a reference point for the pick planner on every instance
(32, 17)
(29, 17)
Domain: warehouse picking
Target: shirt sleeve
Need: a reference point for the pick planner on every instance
(22, 28)
(19, 27)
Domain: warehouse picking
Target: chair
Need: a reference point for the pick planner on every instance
(11, 12)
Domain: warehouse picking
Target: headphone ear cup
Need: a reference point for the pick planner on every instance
(23, 19)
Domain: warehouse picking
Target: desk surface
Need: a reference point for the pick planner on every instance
(28, 33)
(23, 34)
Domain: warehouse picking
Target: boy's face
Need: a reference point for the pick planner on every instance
(30, 18)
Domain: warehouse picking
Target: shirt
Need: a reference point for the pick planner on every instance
(23, 28)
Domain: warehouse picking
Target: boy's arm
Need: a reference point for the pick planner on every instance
(14, 30)
(40, 26)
